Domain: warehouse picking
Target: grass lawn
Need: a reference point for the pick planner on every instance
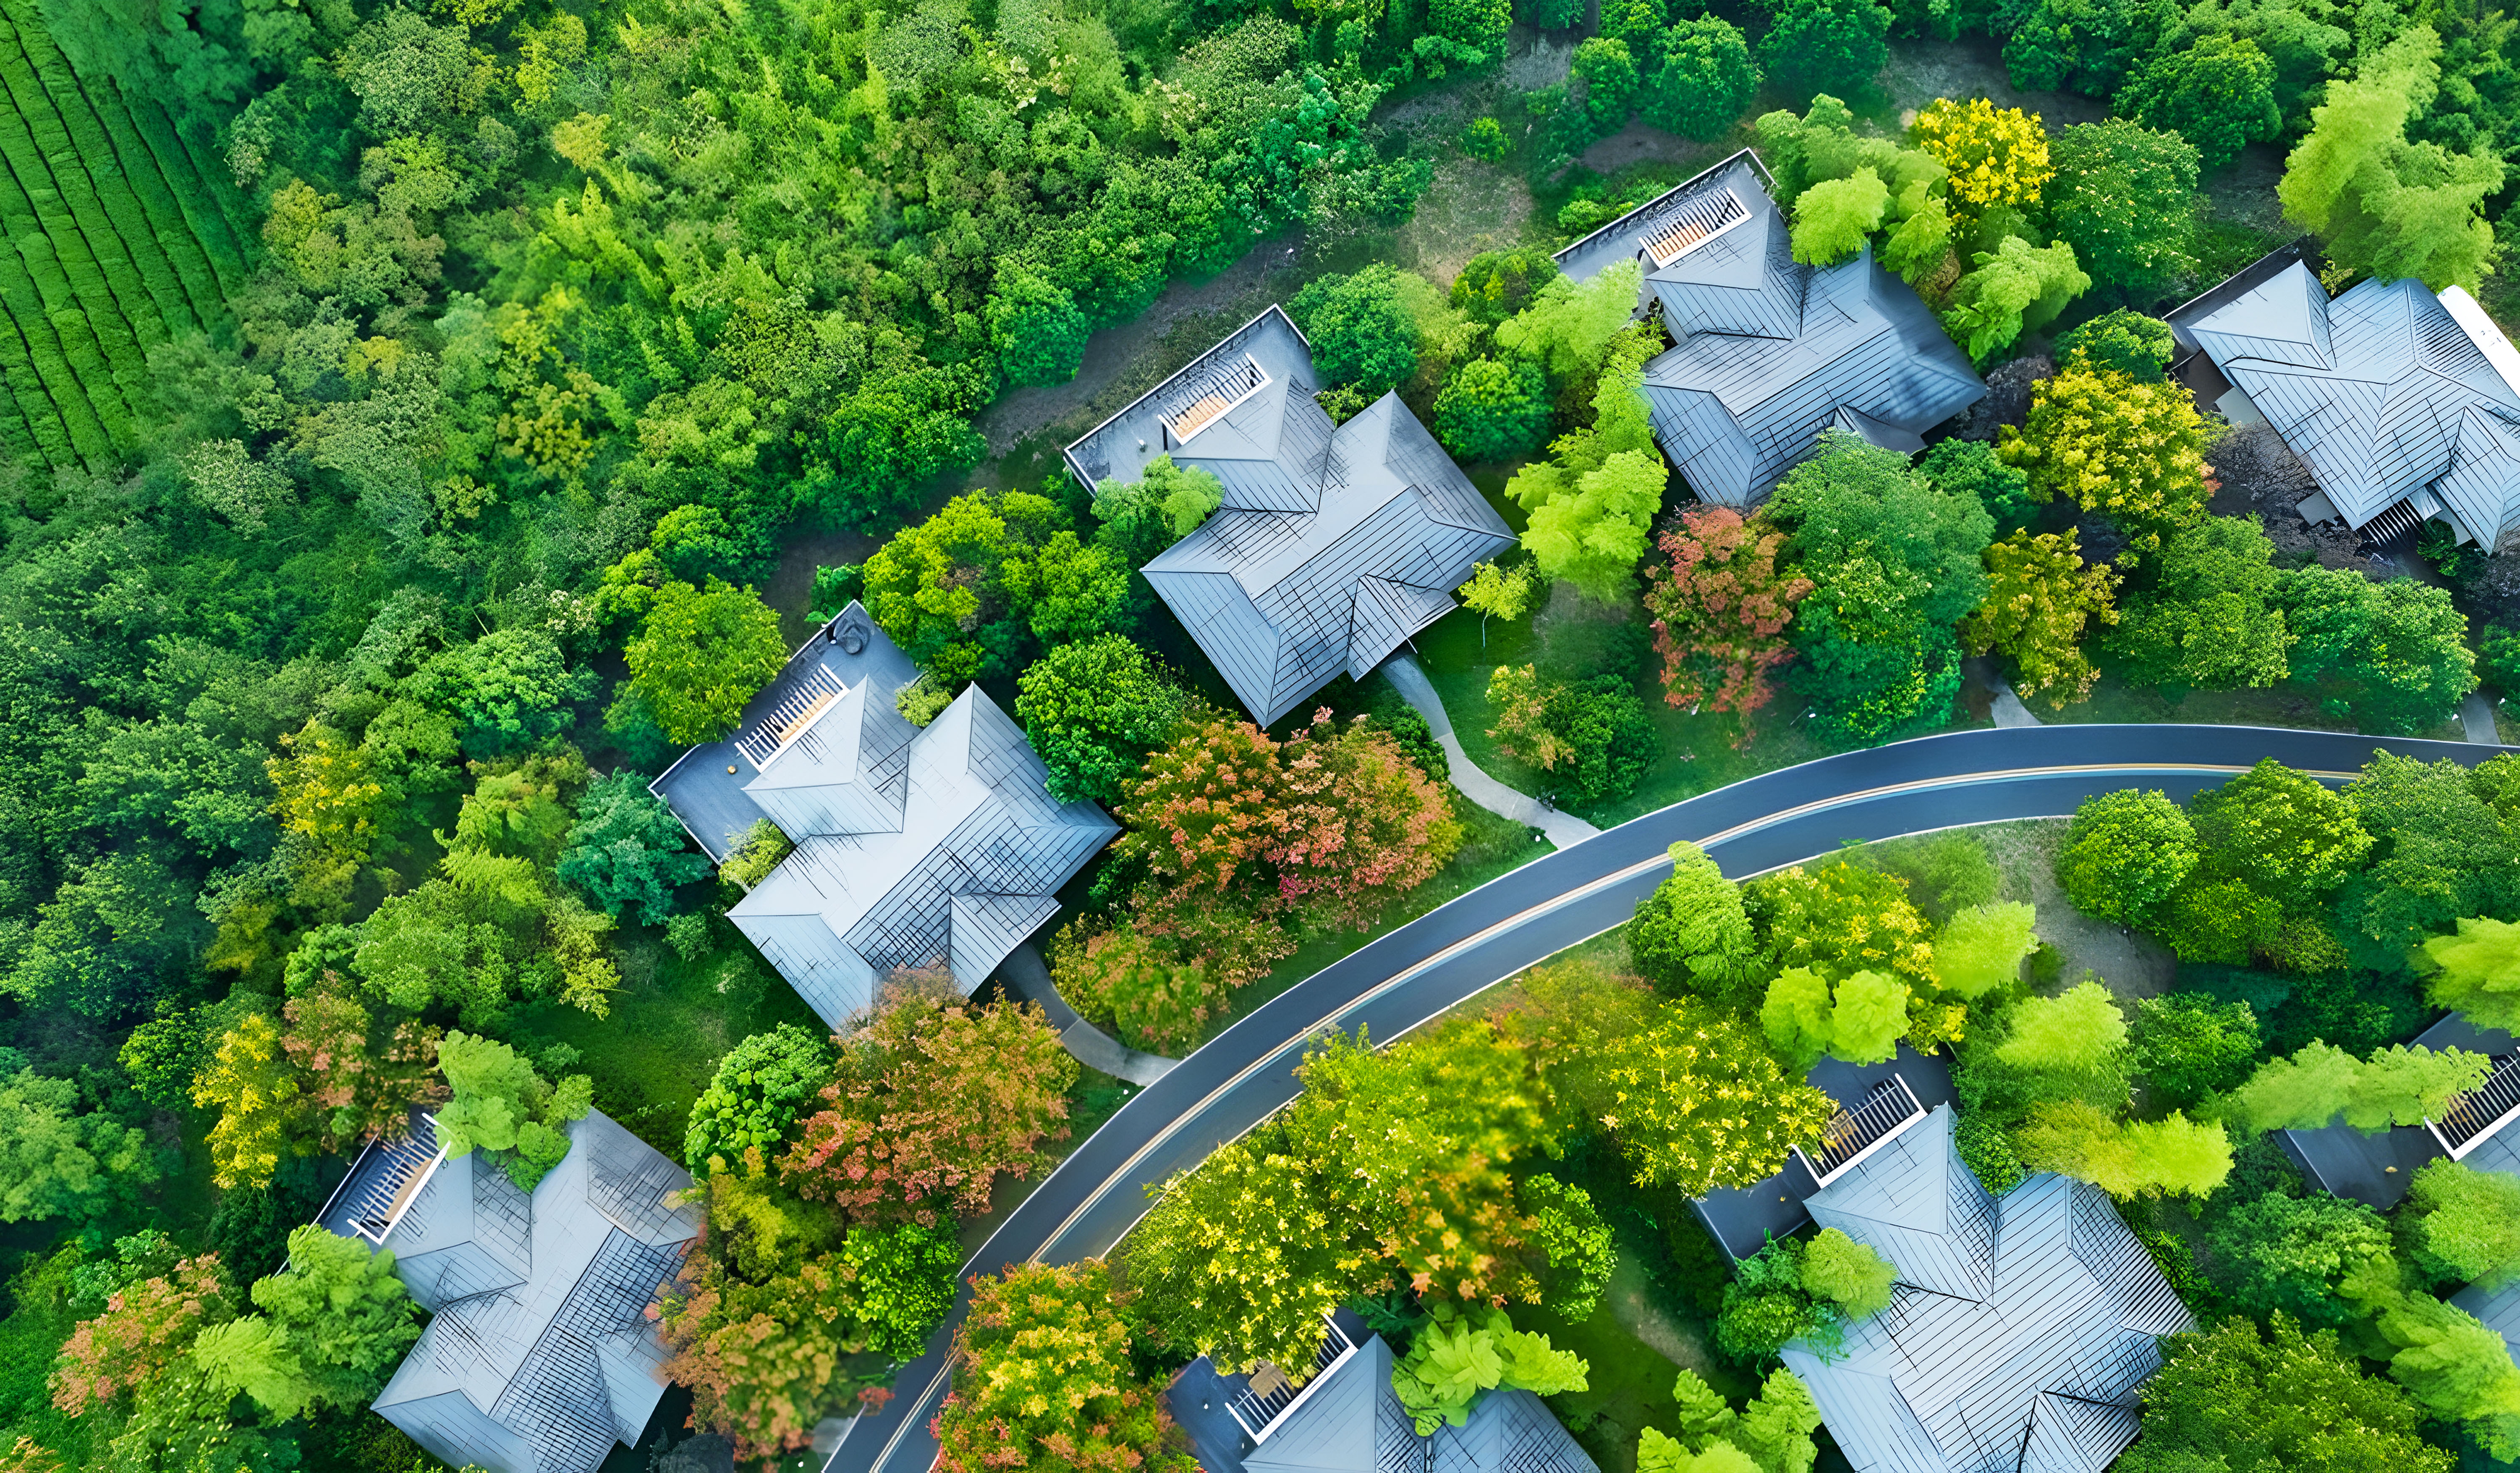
(670, 1024)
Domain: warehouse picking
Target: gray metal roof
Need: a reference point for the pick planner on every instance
(538, 1355)
(1351, 1421)
(1334, 543)
(911, 846)
(2386, 394)
(1766, 353)
(1742, 1218)
(2019, 1330)
(2376, 1169)
(2500, 1308)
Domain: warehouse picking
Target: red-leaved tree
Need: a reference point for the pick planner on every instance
(1720, 610)
(1206, 812)
(935, 1099)
(142, 1330)
(1363, 824)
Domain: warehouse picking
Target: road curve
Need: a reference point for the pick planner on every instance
(1416, 971)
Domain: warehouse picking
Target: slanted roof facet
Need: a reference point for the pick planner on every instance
(2386, 393)
(2019, 1330)
(539, 1356)
(1767, 352)
(913, 846)
(1334, 543)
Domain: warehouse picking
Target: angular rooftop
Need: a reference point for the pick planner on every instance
(913, 846)
(1875, 1102)
(1334, 543)
(1766, 353)
(1347, 1420)
(2019, 1331)
(538, 1355)
(2404, 405)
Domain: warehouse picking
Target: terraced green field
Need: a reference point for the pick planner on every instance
(122, 233)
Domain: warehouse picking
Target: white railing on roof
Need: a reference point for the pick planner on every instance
(389, 1175)
(1213, 392)
(1262, 1413)
(2471, 1120)
(1693, 223)
(791, 717)
(1851, 1135)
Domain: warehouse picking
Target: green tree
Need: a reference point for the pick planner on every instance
(1833, 218)
(1593, 737)
(507, 690)
(1705, 83)
(1607, 70)
(504, 1106)
(57, 1161)
(2040, 595)
(1039, 334)
(2287, 1255)
(1569, 329)
(2463, 1224)
(1826, 45)
(2479, 971)
(1361, 334)
(1770, 1435)
(1043, 1373)
(2187, 1047)
(2125, 854)
(2282, 833)
(2121, 340)
(1840, 918)
(1981, 948)
(2439, 853)
(2012, 288)
(339, 1310)
(1094, 710)
(1691, 935)
(1461, 1353)
(2397, 649)
(1894, 564)
(1495, 285)
(975, 589)
(1163, 505)
(1493, 409)
(762, 1088)
(1972, 468)
(1848, 1273)
(1593, 502)
(627, 850)
(2086, 45)
(2384, 205)
(2125, 199)
(2233, 1397)
(1495, 591)
(2218, 94)
(2208, 621)
(699, 657)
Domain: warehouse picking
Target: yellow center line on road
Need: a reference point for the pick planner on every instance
(1118, 1175)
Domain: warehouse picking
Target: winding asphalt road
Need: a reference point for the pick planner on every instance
(1417, 971)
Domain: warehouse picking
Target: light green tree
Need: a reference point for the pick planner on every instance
(504, 1106)
(2381, 204)
(2074, 1034)
(342, 1313)
(2463, 1224)
(699, 655)
(1796, 1016)
(1848, 1273)
(1461, 1353)
(1496, 592)
(1983, 946)
(1870, 1018)
(1593, 502)
(1692, 934)
(2014, 289)
(1833, 220)
(2479, 971)
(253, 1356)
(1568, 328)
(1770, 1435)
(2171, 1157)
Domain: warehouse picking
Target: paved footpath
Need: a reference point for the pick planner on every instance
(1414, 973)
(1564, 830)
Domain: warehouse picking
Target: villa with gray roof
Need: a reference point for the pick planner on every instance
(2403, 405)
(539, 1355)
(1335, 542)
(1346, 1418)
(913, 846)
(2019, 1329)
(1767, 352)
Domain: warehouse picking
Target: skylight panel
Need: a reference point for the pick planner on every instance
(1693, 223)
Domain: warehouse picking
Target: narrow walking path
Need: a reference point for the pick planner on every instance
(2008, 710)
(2476, 715)
(1563, 829)
(1027, 975)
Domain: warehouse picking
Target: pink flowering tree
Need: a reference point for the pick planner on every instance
(1720, 609)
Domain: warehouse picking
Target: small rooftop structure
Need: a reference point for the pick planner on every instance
(2019, 1331)
(1766, 353)
(539, 1356)
(2404, 405)
(1346, 1418)
(1876, 1103)
(2376, 1169)
(1334, 543)
(914, 846)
